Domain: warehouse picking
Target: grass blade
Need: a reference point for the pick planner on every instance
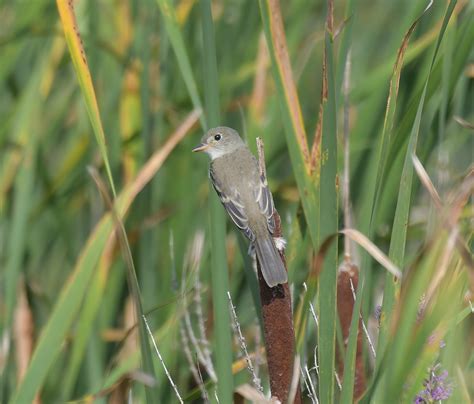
(291, 114)
(23, 188)
(78, 56)
(219, 269)
(328, 220)
(70, 299)
(176, 38)
(399, 229)
(134, 289)
(373, 250)
(271, 15)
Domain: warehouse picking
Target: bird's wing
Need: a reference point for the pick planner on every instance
(233, 206)
(264, 199)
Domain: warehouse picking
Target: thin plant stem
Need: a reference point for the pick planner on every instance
(243, 345)
(366, 332)
(194, 369)
(161, 360)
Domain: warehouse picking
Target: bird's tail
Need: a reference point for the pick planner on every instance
(272, 267)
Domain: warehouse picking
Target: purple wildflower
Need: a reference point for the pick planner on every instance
(436, 388)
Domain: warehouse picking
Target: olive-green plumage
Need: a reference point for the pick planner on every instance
(235, 175)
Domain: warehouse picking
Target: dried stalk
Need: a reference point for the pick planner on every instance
(348, 276)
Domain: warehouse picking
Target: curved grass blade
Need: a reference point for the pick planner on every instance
(373, 250)
(276, 40)
(379, 75)
(390, 111)
(399, 229)
(147, 360)
(86, 318)
(291, 114)
(374, 187)
(71, 297)
(78, 56)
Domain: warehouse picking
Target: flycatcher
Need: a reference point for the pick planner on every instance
(235, 175)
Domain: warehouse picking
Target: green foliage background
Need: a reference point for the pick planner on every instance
(151, 64)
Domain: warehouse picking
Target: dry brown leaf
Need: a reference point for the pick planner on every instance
(373, 250)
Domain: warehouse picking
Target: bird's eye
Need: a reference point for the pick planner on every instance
(217, 137)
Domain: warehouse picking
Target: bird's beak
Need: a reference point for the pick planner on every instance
(200, 147)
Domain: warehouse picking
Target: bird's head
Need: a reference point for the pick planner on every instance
(219, 141)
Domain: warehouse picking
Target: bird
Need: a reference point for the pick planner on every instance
(243, 190)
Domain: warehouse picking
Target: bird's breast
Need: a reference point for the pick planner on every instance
(237, 174)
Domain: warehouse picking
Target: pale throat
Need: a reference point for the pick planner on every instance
(215, 153)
